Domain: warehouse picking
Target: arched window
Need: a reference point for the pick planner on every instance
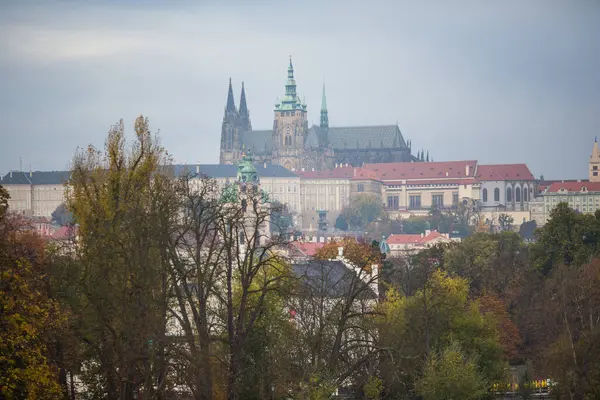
(509, 195)
(518, 194)
(485, 195)
(525, 194)
(496, 194)
(288, 140)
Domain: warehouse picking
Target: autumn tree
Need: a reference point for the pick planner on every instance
(361, 254)
(29, 317)
(122, 282)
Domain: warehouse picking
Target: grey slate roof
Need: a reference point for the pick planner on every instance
(212, 170)
(230, 170)
(339, 138)
(35, 178)
(259, 142)
(330, 279)
(363, 137)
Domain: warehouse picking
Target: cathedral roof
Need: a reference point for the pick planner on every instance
(338, 138)
(365, 137)
(259, 142)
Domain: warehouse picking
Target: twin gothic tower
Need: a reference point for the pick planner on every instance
(292, 144)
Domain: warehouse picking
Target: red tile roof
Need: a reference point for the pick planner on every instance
(414, 239)
(308, 248)
(434, 182)
(423, 170)
(504, 172)
(574, 186)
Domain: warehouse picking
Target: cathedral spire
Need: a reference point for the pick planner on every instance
(244, 114)
(230, 102)
(243, 106)
(290, 85)
(324, 116)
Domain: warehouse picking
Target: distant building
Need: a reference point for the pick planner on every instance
(406, 244)
(580, 196)
(35, 193)
(331, 190)
(414, 188)
(295, 145)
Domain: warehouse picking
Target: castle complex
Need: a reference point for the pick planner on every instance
(296, 146)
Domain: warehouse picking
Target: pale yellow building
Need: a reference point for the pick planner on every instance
(35, 193)
(581, 196)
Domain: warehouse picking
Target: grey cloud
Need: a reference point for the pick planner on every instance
(513, 83)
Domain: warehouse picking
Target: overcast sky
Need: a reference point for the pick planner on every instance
(517, 82)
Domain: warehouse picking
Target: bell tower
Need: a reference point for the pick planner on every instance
(594, 165)
(290, 126)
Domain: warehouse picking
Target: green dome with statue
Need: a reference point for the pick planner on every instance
(246, 170)
(247, 177)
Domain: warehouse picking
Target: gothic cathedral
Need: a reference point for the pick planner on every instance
(294, 145)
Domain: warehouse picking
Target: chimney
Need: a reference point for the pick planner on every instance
(467, 170)
(340, 252)
(11, 174)
(422, 235)
(265, 165)
(302, 169)
(446, 173)
(313, 170)
(427, 232)
(30, 171)
(346, 164)
(354, 171)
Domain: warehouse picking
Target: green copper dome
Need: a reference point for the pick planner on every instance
(246, 171)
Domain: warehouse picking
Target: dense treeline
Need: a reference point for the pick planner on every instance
(169, 289)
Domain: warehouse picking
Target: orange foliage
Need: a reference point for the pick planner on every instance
(508, 332)
(360, 254)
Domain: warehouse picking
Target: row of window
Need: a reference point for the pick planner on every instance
(437, 200)
(509, 195)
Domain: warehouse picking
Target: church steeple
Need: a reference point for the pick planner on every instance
(290, 85)
(594, 164)
(230, 102)
(244, 114)
(324, 116)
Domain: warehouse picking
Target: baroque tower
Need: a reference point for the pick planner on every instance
(594, 165)
(290, 126)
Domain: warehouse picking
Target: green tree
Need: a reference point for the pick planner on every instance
(451, 375)
(418, 327)
(567, 238)
(363, 209)
(505, 221)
